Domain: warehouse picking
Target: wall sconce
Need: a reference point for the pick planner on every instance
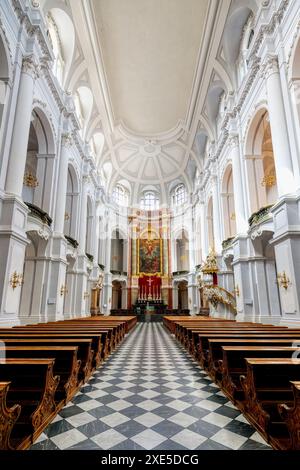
(67, 216)
(237, 291)
(63, 290)
(16, 280)
(86, 295)
(283, 280)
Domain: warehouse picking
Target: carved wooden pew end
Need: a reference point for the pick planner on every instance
(8, 417)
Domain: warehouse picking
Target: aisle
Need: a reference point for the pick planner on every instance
(150, 395)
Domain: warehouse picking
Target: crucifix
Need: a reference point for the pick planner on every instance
(150, 282)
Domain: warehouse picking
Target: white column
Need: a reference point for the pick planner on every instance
(279, 130)
(95, 238)
(18, 151)
(203, 229)
(241, 223)
(62, 183)
(83, 216)
(109, 247)
(216, 215)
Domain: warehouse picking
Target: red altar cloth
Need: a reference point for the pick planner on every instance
(150, 285)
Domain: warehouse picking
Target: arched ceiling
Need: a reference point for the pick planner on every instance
(150, 51)
(148, 68)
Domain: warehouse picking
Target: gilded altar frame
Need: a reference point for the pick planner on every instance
(139, 273)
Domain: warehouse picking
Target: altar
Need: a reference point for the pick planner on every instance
(150, 281)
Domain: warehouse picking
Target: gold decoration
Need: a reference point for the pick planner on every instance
(210, 266)
(99, 284)
(16, 280)
(67, 216)
(233, 216)
(217, 295)
(30, 180)
(268, 181)
(237, 291)
(63, 290)
(283, 280)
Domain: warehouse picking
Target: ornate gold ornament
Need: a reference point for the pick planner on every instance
(210, 266)
(233, 216)
(99, 284)
(237, 291)
(63, 290)
(16, 280)
(217, 295)
(283, 280)
(30, 180)
(268, 181)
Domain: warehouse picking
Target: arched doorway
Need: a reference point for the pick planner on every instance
(229, 217)
(39, 295)
(183, 303)
(116, 303)
(182, 252)
(33, 288)
(72, 198)
(117, 253)
(262, 178)
(39, 171)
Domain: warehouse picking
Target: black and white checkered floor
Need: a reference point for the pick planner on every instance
(150, 395)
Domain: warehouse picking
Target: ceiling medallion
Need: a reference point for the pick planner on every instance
(150, 149)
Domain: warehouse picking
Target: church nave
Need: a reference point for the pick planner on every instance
(150, 395)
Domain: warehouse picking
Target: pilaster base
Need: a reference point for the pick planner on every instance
(13, 242)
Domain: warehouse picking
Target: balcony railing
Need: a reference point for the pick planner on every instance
(90, 257)
(217, 295)
(260, 216)
(180, 273)
(74, 243)
(38, 213)
(227, 243)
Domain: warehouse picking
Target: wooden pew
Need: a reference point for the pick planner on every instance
(95, 353)
(233, 364)
(291, 417)
(46, 364)
(203, 345)
(107, 344)
(33, 386)
(66, 366)
(8, 417)
(267, 385)
(192, 334)
(112, 334)
(84, 354)
(170, 322)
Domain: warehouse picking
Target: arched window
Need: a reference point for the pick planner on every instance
(150, 201)
(120, 195)
(197, 179)
(179, 195)
(53, 35)
(78, 108)
(246, 41)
